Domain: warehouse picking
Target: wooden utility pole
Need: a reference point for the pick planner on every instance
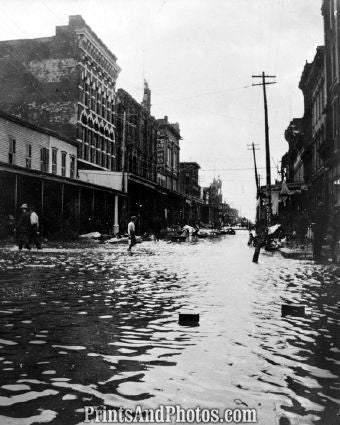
(253, 148)
(123, 151)
(263, 234)
(264, 83)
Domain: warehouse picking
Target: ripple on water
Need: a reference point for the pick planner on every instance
(120, 315)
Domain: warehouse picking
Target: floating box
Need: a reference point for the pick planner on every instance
(292, 310)
(188, 319)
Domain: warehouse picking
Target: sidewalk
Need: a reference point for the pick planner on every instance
(305, 252)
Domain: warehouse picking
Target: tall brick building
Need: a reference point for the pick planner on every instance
(136, 137)
(66, 83)
(168, 154)
(140, 134)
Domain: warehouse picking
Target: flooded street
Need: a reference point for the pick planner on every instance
(99, 327)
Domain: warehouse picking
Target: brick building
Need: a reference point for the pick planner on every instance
(312, 85)
(189, 179)
(168, 150)
(139, 132)
(65, 82)
(136, 137)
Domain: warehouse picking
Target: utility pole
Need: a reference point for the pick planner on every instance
(123, 151)
(264, 83)
(253, 148)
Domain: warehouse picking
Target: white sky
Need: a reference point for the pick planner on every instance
(197, 56)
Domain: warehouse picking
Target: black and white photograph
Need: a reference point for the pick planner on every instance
(169, 212)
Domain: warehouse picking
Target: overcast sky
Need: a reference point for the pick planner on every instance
(198, 57)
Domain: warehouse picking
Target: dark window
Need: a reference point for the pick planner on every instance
(28, 155)
(63, 164)
(72, 167)
(12, 150)
(54, 160)
(44, 160)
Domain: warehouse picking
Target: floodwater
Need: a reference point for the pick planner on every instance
(96, 327)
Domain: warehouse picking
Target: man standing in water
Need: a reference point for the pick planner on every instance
(132, 232)
(34, 237)
(23, 228)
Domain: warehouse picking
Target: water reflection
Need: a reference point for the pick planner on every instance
(96, 326)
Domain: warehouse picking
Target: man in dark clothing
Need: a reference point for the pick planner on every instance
(319, 230)
(23, 228)
(157, 225)
(302, 227)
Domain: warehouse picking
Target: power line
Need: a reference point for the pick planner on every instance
(230, 169)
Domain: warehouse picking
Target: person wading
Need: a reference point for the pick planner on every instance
(23, 228)
(34, 234)
(132, 232)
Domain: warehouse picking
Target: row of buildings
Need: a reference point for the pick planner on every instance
(311, 166)
(86, 154)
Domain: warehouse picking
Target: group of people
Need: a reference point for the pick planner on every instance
(27, 228)
(316, 227)
(320, 226)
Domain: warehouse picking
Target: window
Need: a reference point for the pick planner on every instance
(334, 62)
(174, 159)
(44, 160)
(54, 160)
(28, 155)
(331, 9)
(169, 157)
(93, 154)
(12, 150)
(72, 167)
(63, 164)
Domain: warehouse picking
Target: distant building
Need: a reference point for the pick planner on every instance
(212, 197)
(168, 150)
(66, 83)
(189, 179)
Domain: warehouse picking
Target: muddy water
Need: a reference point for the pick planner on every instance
(99, 327)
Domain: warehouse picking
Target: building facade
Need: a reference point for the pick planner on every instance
(168, 154)
(136, 137)
(65, 82)
(313, 86)
(189, 179)
(39, 167)
(330, 147)
(212, 197)
(25, 145)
